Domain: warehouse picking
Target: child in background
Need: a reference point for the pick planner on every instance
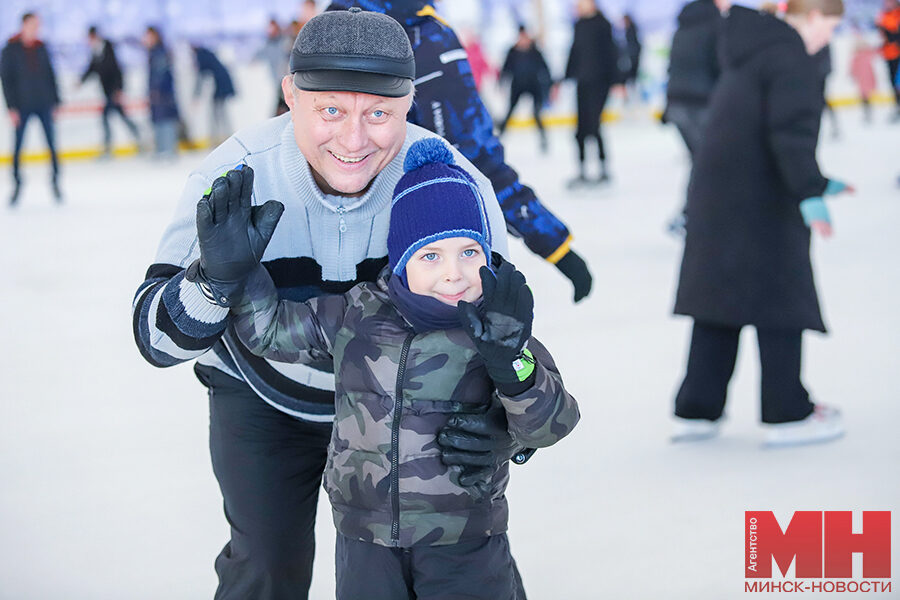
(440, 334)
(862, 71)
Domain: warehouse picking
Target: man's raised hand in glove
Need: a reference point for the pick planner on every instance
(573, 266)
(232, 235)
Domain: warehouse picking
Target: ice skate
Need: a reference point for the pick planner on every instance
(676, 227)
(694, 430)
(578, 183)
(14, 197)
(823, 425)
(57, 193)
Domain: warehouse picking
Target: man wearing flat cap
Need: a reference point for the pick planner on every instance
(333, 161)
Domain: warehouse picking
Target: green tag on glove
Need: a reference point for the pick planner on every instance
(524, 365)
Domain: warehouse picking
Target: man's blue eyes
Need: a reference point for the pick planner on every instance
(332, 111)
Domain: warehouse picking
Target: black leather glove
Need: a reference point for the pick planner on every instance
(479, 443)
(502, 327)
(573, 266)
(232, 236)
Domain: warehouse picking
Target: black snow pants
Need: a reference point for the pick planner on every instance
(269, 467)
(711, 363)
(479, 569)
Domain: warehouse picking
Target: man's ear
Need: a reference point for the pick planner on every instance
(287, 84)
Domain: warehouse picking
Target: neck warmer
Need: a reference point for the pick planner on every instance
(424, 313)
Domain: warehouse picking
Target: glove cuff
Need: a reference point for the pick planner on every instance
(516, 379)
(220, 293)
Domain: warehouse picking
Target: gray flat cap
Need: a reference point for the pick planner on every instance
(353, 51)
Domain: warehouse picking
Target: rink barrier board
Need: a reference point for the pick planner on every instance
(566, 120)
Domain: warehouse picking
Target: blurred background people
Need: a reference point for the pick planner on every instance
(210, 67)
(756, 192)
(593, 64)
(481, 68)
(105, 66)
(528, 74)
(161, 95)
(631, 57)
(275, 52)
(693, 73)
(862, 71)
(29, 86)
(889, 26)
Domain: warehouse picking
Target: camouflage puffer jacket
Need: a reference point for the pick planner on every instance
(394, 390)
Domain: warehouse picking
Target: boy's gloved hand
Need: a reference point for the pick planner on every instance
(815, 215)
(479, 443)
(502, 327)
(573, 266)
(232, 235)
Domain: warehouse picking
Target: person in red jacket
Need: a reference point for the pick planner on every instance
(889, 26)
(29, 85)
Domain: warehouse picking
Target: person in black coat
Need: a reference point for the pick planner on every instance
(693, 72)
(593, 64)
(209, 65)
(528, 73)
(631, 59)
(755, 192)
(105, 66)
(29, 86)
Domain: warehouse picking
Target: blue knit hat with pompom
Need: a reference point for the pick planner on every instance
(434, 200)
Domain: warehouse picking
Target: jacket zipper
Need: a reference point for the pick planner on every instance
(342, 228)
(395, 443)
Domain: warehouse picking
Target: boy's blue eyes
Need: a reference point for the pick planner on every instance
(467, 253)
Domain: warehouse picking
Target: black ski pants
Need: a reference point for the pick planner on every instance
(478, 569)
(590, 99)
(269, 467)
(515, 94)
(711, 363)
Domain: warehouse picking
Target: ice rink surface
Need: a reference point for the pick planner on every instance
(106, 488)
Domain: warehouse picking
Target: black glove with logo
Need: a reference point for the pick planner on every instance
(573, 266)
(232, 236)
(502, 327)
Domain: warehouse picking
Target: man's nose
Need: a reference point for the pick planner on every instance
(353, 134)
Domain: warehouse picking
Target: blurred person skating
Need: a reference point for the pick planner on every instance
(275, 52)
(862, 71)
(889, 26)
(161, 94)
(823, 62)
(481, 68)
(593, 64)
(755, 194)
(631, 57)
(29, 86)
(209, 66)
(528, 74)
(693, 73)
(105, 66)
(447, 103)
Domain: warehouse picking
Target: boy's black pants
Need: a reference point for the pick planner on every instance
(711, 362)
(482, 569)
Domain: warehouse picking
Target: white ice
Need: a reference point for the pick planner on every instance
(106, 489)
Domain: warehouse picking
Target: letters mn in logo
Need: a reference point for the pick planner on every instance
(820, 543)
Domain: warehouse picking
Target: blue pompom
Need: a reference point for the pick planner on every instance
(427, 151)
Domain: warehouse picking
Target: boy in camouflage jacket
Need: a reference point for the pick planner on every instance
(410, 351)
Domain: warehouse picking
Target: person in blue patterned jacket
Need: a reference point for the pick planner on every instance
(447, 103)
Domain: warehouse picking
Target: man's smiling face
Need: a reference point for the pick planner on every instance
(346, 137)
